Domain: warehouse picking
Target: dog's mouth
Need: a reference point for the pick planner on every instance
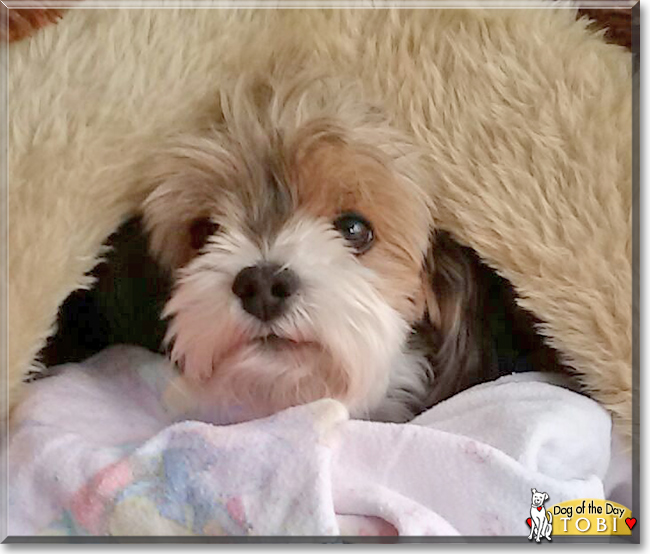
(272, 343)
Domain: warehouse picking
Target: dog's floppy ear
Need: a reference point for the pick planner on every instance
(454, 310)
(546, 497)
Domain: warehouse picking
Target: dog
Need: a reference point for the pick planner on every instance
(297, 257)
(540, 522)
(306, 264)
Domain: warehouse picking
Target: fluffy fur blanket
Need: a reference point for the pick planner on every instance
(526, 115)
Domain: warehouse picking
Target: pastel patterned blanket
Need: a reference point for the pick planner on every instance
(102, 448)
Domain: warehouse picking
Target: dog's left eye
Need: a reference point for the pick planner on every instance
(356, 230)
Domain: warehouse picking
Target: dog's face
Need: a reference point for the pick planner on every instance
(297, 231)
(538, 498)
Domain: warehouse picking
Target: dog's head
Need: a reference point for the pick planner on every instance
(538, 498)
(298, 228)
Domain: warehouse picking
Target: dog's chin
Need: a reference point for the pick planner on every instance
(260, 376)
(273, 356)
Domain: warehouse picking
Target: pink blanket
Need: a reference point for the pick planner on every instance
(106, 448)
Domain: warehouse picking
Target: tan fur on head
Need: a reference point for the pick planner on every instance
(331, 153)
(280, 165)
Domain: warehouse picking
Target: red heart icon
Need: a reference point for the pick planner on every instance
(530, 522)
(631, 522)
(539, 509)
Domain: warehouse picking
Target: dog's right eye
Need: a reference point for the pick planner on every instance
(201, 230)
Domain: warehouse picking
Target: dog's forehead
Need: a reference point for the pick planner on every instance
(323, 183)
(272, 207)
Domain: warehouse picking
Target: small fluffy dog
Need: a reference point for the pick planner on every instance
(288, 252)
(302, 245)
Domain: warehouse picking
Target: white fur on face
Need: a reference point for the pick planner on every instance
(344, 335)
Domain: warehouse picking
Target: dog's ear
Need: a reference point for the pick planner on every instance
(534, 491)
(546, 497)
(453, 300)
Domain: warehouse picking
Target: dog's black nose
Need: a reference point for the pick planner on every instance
(264, 290)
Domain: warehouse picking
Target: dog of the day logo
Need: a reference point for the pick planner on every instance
(540, 520)
(585, 516)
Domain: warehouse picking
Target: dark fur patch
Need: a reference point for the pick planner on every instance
(275, 207)
(124, 305)
(482, 334)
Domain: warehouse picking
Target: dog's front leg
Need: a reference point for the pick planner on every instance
(539, 527)
(532, 529)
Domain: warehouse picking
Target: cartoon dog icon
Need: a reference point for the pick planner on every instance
(538, 517)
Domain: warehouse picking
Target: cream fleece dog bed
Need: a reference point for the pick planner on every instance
(526, 115)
